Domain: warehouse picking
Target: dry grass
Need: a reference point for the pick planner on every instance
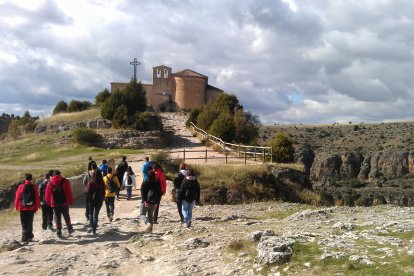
(72, 117)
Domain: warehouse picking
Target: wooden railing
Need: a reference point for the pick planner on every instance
(237, 150)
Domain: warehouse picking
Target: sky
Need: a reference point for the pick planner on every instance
(287, 61)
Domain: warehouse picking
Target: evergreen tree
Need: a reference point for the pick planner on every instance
(60, 107)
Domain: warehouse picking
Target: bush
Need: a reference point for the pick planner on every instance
(75, 106)
(101, 97)
(122, 105)
(60, 107)
(192, 118)
(146, 121)
(85, 136)
(246, 127)
(282, 146)
(223, 127)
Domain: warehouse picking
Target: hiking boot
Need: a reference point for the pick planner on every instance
(50, 227)
(59, 234)
(188, 224)
(71, 230)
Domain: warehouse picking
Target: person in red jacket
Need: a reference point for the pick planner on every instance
(159, 176)
(59, 197)
(27, 201)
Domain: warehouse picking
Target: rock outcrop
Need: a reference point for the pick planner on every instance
(65, 126)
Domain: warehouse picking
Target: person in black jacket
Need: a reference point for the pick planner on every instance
(150, 196)
(121, 169)
(177, 185)
(47, 211)
(189, 195)
(95, 195)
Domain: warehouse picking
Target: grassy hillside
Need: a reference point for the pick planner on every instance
(37, 153)
(338, 138)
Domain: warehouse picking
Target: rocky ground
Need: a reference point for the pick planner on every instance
(263, 238)
(268, 238)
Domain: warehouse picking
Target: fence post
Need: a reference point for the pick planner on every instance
(245, 156)
(254, 153)
(206, 155)
(271, 155)
(264, 155)
(184, 156)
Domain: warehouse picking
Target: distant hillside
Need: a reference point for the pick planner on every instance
(336, 138)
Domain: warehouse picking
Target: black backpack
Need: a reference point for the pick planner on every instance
(28, 196)
(111, 185)
(189, 191)
(59, 194)
(130, 180)
(151, 197)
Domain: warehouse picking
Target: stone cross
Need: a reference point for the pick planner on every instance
(135, 63)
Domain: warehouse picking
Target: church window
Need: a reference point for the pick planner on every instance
(165, 73)
(158, 73)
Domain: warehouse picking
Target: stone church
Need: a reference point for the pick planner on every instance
(170, 91)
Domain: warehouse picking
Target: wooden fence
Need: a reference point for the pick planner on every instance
(235, 150)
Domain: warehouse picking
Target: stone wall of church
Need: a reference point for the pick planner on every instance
(190, 92)
(212, 95)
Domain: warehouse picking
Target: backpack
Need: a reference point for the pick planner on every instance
(111, 185)
(151, 197)
(59, 194)
(129, 181)
(28, 196)
(189, 191)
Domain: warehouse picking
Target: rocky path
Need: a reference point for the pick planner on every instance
(224, 240)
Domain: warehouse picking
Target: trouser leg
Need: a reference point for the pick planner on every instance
(66, 216)
(185, 206)
(129, 191)
(49, 216)
(26, 219)
(180, 211)
(57, 212)
(45, 216)
(150, 212)
(108, 211)
(156, 211)
(86, 206)
(96, 216)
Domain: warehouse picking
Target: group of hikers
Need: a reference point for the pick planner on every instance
(103, 184)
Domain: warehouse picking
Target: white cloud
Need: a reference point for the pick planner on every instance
(286, 60)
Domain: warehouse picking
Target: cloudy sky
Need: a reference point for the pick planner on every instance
(288, 61)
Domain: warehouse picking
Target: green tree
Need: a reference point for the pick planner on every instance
(75, 106)
(192, 118)
(14, 130)
(246, 127)
(282, 146)
(207, 117)
(122, 105)
(223, 127)
(102, 96)
(60, 107)
(227, 102)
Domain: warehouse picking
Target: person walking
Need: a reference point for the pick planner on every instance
(111, 186)
(47, 211)
(150, 196)
(189, 195)
(95, 195)
(129, 181)
(145, 168)
(103, 168)
(59, 197)
(27, 201)
(160, 177)
(90, 162)
(86, 178)
(178, 180)
(121, 169)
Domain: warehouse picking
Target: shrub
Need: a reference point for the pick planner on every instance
(223, 127)
(246, 127)
(75, 106)
(207, 117)
(60, 107)
(102, 96)
(122, 105)
(192, 118)
(145, 121)
(282, 146)
(85, 136)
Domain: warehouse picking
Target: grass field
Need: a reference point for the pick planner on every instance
(38, 153)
